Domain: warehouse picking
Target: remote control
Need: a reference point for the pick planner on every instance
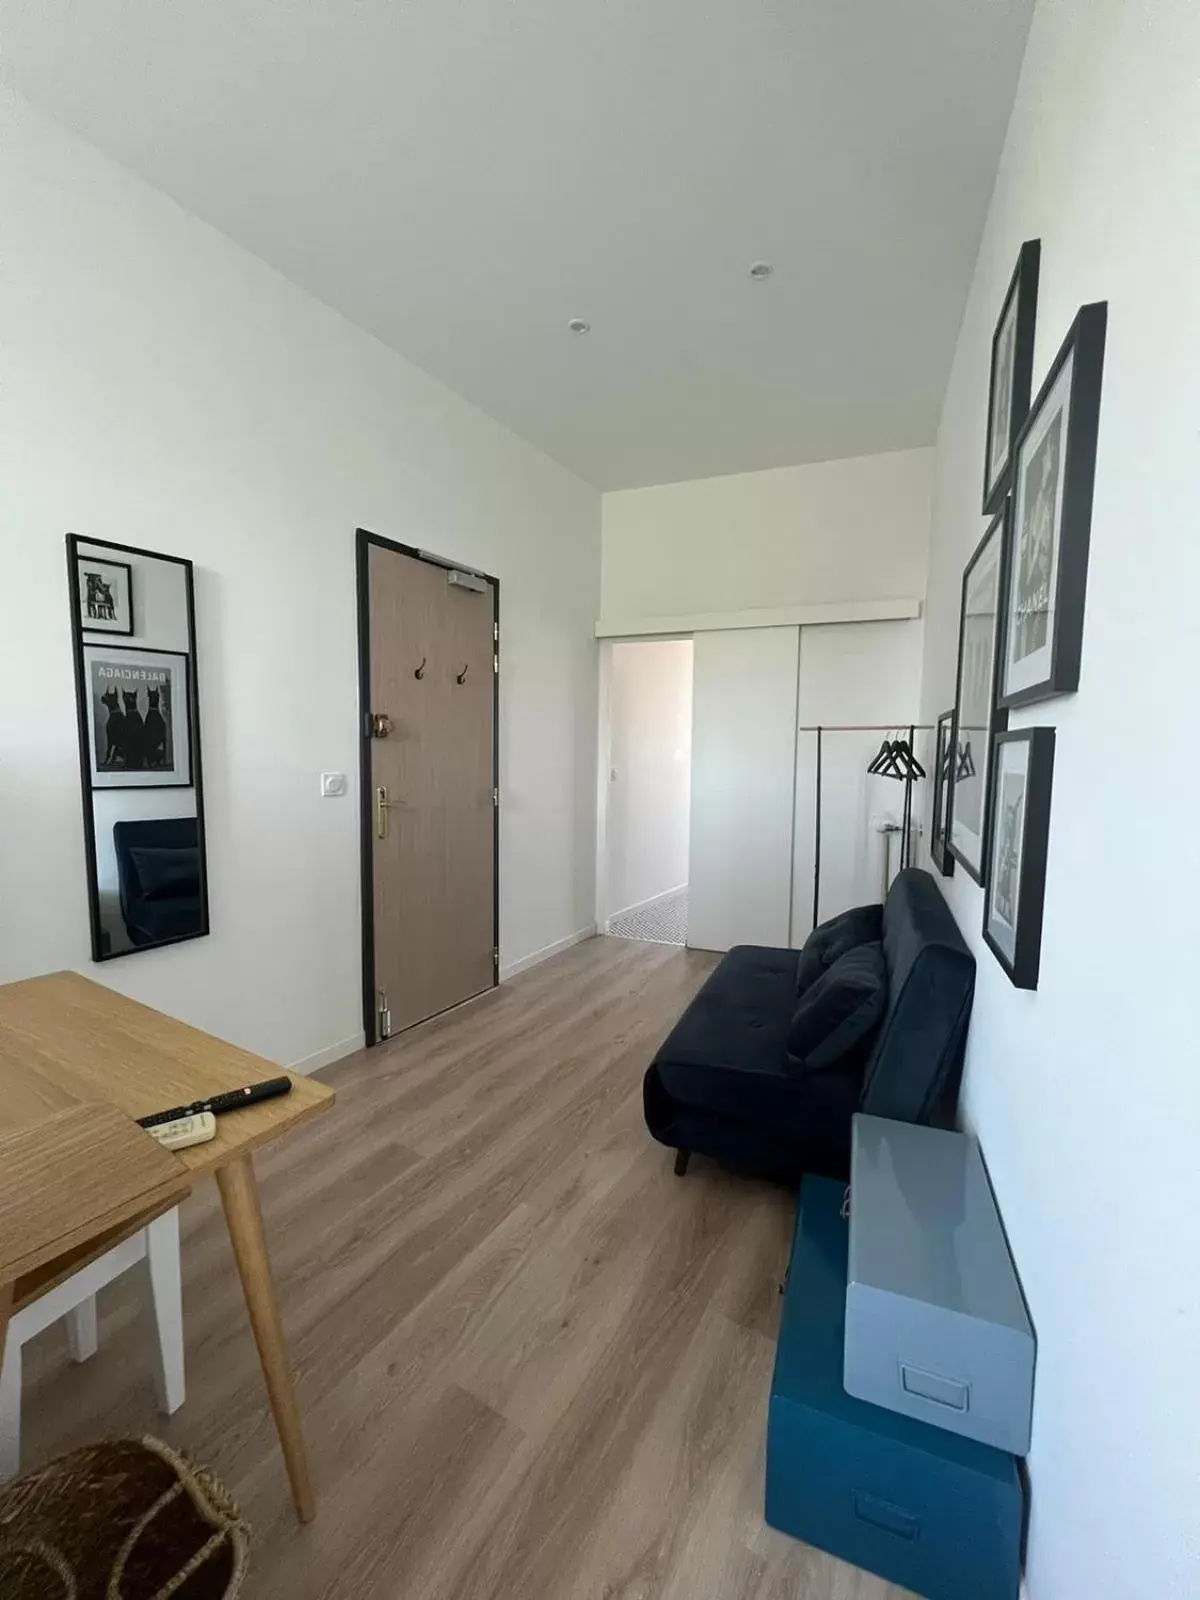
(185, 1131)
(232, 1100)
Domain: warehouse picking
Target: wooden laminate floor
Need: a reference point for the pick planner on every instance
(532, 1364)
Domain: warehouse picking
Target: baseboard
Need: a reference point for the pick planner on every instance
(326, 1057)
(538, 956)
(641, 905)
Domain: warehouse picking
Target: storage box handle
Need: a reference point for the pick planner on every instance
(882, 1514)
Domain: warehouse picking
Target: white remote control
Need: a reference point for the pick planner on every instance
(185, 1131)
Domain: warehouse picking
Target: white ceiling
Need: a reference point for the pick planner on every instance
(461, 177)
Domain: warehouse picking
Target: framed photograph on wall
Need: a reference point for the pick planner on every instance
(104, 594)
(1051, 521)
(976, 718)
(139, 735)
(1010, 378)
(939, 830)
(1020, 835)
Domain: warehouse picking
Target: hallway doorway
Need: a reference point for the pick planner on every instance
(648, 791)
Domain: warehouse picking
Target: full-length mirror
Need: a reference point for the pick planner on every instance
(134, 635)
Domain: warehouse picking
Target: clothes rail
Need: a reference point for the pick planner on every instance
(821, 729)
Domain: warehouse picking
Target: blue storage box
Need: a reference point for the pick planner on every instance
(936, 1513)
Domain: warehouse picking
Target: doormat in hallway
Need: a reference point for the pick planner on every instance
(662, 922)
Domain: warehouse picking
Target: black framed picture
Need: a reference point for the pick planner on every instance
(1020, 836)
(139, 734)
(939, 831)
(1010, 378)
(1055, 469)
(105, 595)
(976, 717)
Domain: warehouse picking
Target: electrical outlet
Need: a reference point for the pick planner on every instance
(333, 784)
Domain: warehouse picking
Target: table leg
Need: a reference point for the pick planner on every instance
(243, 1216)
(10, 1392)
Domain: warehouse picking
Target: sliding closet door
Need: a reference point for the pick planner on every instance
(743, 779)
(851, 672)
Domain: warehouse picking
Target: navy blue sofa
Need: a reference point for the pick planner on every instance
(158, 875)
(723, 1084)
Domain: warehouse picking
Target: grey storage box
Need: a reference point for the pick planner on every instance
(936, 1326)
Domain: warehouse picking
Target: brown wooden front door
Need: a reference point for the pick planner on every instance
(431, 813)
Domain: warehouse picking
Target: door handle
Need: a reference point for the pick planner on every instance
(382, 806)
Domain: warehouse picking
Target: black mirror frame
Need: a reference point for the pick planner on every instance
(86, 788)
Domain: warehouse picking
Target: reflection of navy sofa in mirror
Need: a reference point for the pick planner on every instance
(158, 874)
(723, 1082)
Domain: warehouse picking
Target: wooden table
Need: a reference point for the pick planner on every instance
(66, 1042)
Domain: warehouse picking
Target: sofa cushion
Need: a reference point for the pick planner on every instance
(839, 1015)
(166, 874)
(834, 939)
(727, 1054)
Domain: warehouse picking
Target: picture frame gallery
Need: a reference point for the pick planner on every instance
(1020, 638)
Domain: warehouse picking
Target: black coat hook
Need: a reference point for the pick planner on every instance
(420, 672)
(461, 677)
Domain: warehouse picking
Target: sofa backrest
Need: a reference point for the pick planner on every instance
(918, 1053)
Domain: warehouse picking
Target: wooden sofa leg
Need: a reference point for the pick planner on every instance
(682, 1157)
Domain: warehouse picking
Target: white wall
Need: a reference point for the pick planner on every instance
(1086, 1095)
(649, 770)
(160, 386)
(841, 530)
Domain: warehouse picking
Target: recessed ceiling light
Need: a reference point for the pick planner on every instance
(761, 269)
(578, 325)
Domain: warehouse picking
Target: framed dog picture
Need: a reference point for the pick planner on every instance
(975, 715)
(1052, 520)
(939, 832)
(137, 706)
(1010, 378)
(1020, 836)
(104, 593)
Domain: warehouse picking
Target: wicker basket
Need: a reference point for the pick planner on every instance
(126, 1520)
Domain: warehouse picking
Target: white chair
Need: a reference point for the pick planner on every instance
(75, 1299)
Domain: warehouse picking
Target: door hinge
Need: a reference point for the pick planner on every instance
(496, 665)
(496, 632)
(383, 1014)
(496, 958)
(495, 797)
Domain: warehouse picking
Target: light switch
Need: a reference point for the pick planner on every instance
(333, 784)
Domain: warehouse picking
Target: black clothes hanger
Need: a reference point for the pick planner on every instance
(914, 766)
(902, 763)
(881, 757)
